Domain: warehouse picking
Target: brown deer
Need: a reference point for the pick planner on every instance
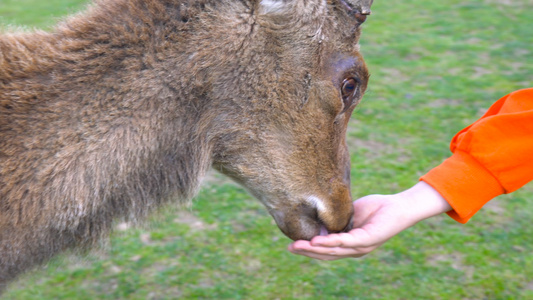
(124, 107)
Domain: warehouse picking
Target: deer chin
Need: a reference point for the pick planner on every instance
(296, 227)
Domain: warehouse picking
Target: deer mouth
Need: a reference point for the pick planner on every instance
(323, 230)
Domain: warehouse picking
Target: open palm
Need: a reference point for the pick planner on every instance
(377, 218)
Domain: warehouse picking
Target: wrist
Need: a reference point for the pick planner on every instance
(423, 201)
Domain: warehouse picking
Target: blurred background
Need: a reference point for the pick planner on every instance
(436, 67)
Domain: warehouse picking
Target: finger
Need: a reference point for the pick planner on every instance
(299, 245)
(330, 253)
(318, 256)
(312, 254)
(358, 237)
(305, 248)
(330, 240)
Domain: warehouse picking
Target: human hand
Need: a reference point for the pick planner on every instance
(377, 218)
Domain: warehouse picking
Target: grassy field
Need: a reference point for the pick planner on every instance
(436, 67)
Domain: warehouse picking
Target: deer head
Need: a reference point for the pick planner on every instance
(126, 106)
(288, 94)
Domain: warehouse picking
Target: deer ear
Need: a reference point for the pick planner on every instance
(275, 6)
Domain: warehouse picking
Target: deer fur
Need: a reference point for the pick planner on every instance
(124, 107)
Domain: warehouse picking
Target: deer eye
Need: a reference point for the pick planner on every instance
(348, 91)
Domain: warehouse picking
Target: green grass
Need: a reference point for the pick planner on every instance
(37, 14)
(436, 66)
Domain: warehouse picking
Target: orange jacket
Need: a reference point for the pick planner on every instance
(491, 157)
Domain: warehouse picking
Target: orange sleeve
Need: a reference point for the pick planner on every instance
(493, 156)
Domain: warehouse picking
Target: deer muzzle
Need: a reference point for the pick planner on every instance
(312, 217)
